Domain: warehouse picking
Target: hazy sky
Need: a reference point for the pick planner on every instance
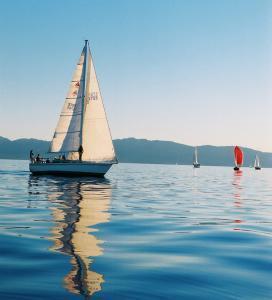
(194, 71)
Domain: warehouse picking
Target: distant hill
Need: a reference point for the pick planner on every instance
(131, 150)
(19, 149)
(165, 152)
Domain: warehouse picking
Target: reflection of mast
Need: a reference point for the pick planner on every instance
(85, 204)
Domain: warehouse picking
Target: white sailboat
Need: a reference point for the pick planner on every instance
(196, 164)
(82, 137)
(257, 164)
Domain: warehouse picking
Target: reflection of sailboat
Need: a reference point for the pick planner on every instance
(84, 205)
(257, 164)
(196, 164)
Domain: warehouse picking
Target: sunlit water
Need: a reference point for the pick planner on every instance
(144, 232)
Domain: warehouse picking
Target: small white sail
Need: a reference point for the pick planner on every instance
(257, 162)
(96, 136)
(67, 134)
(195, 157)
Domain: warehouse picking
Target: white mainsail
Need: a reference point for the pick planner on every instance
(67, 134)
(83, 118)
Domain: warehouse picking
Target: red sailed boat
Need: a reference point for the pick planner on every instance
(238, 157)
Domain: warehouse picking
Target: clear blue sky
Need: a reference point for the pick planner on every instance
(194, 71)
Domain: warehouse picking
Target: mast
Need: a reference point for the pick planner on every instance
(83, 90)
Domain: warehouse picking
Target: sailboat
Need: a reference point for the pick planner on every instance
(196, 164)
(257, 164)
(238, 158)
(82, 139)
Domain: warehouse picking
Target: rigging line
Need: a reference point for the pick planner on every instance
(83, 90)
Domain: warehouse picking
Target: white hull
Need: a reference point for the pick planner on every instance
(70, 168)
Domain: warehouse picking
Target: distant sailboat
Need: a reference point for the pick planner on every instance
(196, 164)
(257, 164)
(238, 158)
(82, 138)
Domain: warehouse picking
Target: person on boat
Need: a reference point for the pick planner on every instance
(38, 159)
(31, 156)
(63, 157)
(80, 152)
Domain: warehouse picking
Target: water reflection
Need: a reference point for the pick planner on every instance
(80, 204)
(238, 188)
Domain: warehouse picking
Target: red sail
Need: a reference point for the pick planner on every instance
(238, 156)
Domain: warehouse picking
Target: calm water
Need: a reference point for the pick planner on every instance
(144, 232)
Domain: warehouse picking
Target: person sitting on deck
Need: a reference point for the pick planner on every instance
(80, 152)
(38, 159)
(31, 156)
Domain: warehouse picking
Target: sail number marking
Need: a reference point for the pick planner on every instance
(70, 106)
(93, 96)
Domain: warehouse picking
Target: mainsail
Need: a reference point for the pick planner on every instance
(83, 118)
(67, 134)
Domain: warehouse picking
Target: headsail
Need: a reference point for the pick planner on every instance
(96, 136)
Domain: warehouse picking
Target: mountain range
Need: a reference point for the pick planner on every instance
(131, 150)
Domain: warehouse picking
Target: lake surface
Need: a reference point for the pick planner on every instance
(143, 232)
